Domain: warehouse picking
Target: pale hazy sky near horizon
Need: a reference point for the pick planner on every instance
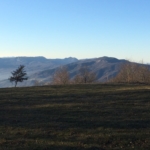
(76, 28)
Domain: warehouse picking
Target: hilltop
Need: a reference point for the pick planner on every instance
(75, 117)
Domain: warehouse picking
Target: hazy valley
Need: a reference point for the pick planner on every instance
(41, 70)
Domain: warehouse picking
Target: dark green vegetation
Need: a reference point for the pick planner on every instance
(82, 117)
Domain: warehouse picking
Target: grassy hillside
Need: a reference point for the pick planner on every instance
(82, 117)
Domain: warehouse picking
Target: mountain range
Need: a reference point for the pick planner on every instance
(41, 69)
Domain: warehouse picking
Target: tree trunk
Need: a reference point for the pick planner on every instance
(15, 84)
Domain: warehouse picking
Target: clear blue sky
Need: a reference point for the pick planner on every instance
(77, 28)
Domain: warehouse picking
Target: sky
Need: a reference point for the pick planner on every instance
(75, 28)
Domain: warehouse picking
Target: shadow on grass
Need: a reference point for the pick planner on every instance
(93, 115)
(68, 118)
(72, 148)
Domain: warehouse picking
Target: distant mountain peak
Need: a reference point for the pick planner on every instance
(42, 69)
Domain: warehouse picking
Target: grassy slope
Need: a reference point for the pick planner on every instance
(75, 117)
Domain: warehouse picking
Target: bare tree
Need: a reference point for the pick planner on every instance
(127, 73)
(19, 75)
(77, 79)
(144, 74)
(85, 76)
(36, 83)
(133, 73)
(61, 76)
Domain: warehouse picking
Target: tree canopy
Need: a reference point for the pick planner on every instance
(18, 75)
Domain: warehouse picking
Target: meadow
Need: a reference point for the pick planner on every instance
(75, 117)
